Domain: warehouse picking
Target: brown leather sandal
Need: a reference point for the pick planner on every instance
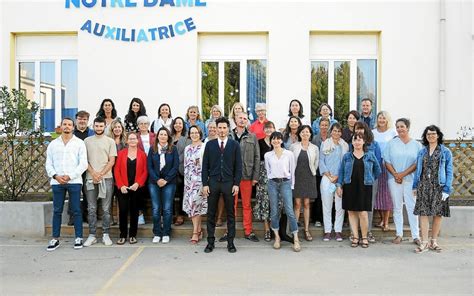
(307, 236)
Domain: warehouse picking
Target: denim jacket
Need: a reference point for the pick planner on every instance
(445, 173)
(371, 169)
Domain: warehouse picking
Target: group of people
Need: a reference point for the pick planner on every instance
(361, 168)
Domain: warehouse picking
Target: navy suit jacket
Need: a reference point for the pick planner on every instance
(170, 169)
(223, 167)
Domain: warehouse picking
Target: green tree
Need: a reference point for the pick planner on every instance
(319, 88)
(19, 143)
(341, 91)
(231, 85)
(209, 87)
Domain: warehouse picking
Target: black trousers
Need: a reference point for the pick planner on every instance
(317, 211)
(128, 204)
(217, 188)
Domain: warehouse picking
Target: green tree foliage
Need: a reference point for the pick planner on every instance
(231, 86)
(341, 91)
(210, 87)
(319, 88)
(19, 143)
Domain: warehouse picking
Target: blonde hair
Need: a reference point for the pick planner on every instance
(123, 137)
(197, 110)
(387, 117)
(231, 113)
(218, 108)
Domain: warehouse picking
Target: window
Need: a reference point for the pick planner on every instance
(343, 72)
(47, 74)
(233, 69)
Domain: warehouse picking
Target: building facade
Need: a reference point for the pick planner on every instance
(413, 58)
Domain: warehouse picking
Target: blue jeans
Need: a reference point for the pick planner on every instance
(281, 190)
(59, 195)
(162, 200)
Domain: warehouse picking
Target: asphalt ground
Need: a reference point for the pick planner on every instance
(179, 268)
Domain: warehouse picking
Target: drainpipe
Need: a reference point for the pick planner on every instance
(442, 64)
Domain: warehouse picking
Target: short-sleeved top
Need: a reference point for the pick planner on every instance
(401, 156)
(99, 149)
(384, 137)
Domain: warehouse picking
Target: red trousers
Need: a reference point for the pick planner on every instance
(246, 195)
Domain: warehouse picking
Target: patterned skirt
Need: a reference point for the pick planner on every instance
(383, 201)
(261, 210)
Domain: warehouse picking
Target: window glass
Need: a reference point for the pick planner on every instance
(27, 79)
(231, 85)
(367, 82)
(209, 87)
(319, 86)
(256, 85)
(341, 90)
(47, 95)
(69, 88)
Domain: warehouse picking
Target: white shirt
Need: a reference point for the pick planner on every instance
(146, 143)
(384, 137)
(283, 167)
(225, 141)
(69, 159)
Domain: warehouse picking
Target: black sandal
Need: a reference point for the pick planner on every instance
(355, 242)
(365, 243)
(267, 236)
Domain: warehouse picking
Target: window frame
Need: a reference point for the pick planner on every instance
(221, 59)
(352, 59)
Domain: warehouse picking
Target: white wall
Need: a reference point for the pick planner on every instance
(168, 70)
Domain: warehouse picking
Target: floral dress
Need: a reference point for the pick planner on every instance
(429, 192)
(193, 202)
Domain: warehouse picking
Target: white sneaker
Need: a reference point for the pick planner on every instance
(106, 239)
(141, 220)
(166, 239)
(156, 239)
(90, 241)
(78, 243)
(53, 245)
(318, 224)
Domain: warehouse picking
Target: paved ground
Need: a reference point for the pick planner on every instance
(256, 269)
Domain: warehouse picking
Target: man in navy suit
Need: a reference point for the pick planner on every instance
(221, 174)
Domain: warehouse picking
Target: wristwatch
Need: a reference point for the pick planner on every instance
(54, 176)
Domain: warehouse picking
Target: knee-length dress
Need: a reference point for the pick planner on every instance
(305, 182)
(429, 192)
(261, 210)
(356, 196)
(383, 200)
(193, 202)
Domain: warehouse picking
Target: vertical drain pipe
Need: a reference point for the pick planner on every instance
(442, 64)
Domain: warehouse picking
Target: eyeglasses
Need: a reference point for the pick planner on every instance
(432, 134)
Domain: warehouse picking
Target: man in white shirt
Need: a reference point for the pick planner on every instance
(66, 160)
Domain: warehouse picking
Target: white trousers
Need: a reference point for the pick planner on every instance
(403, 193)
(327, 197)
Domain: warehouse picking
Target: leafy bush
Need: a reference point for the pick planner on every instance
(19, 143)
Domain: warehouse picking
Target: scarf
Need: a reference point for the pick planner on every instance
(328, 146)
(162, 152)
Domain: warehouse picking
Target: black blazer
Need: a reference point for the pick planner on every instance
(223, 167)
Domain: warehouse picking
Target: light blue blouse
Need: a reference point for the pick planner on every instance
(330, 162)
(401, 156)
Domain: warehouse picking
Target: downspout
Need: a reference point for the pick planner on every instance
(442, 64)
